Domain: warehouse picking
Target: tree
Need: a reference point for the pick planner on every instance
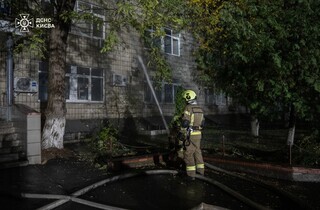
(234, 48)
(49, 43)
(299, 59)
(257, 52)
(55, 120)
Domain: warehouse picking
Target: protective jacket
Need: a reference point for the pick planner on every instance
(193, 120)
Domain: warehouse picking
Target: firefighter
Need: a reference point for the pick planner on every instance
(192, 123)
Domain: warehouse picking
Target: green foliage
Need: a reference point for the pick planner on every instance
(35, 42)
(67, 16)
(110, 41)
(106, 143)
(156, 15)
(309, 153)
(37, 39)
(158, 62)
(262, 53)
(180, 104)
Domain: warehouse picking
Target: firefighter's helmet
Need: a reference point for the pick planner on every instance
(189, 95)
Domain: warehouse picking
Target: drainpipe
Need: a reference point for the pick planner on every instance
(9, 69)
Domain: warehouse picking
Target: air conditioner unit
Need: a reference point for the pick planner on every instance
(25, 84)
(119, 80)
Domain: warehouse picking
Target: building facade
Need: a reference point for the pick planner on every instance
(109, 85)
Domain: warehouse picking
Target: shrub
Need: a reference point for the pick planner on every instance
(309, 150)
(104, 143)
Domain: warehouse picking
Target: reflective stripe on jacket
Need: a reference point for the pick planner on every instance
(191, 168)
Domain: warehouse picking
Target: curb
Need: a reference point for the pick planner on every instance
(284, 172)
(292, 173)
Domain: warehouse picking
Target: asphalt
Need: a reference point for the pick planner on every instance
(65, 176)
(57, 176)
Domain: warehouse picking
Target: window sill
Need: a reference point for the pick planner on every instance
(84, 102)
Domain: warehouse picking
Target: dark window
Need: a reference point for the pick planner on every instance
(43, 81)
(84, 84)
(166, 93)
(91, 28)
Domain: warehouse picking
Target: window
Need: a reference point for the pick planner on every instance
(165, 94)
(170, 43)
(43, 81)
(216, 98)
(4, 7)
(84, 84)
(90, 28)
(168, 93)
(221, 98)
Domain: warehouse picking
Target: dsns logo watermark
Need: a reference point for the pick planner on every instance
(24, 23)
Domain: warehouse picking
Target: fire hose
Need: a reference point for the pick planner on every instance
(73, 197)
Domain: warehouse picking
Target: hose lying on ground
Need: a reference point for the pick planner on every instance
(73, 197)
(285, 194)
(82, 191)
(67, 198)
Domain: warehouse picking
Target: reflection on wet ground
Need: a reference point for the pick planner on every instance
(65, 176)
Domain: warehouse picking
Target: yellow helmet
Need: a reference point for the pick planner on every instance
(189, 95)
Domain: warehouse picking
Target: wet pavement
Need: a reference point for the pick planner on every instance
(65, 176)
(57, 176)
(157, 191)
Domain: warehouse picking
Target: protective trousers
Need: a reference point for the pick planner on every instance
(193, 156)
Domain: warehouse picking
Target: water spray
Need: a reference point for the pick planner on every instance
(153, 93)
